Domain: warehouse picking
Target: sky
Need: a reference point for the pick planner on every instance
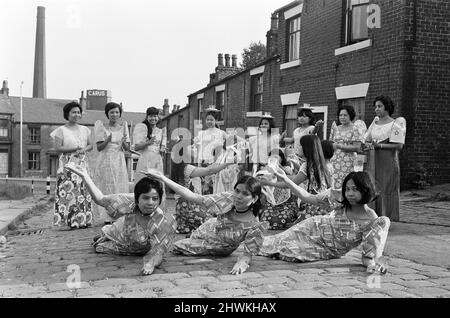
(143, 51)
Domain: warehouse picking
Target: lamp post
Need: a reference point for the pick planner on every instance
(21, 133)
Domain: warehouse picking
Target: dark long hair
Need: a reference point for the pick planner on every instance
(254, 187)
(315, 160)
(308, 113)
(364, 185)
(271, 124)
(150, 111)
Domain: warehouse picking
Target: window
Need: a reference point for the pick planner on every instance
(4, 162)
(4, 128)
(34, 160)
(256, 93)
(356, 21)
(220, 103)
(35, 135)
(294, 38)
(200, 107)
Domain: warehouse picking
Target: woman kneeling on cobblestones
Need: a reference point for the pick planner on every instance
(236, 221)
(332, 236)
(141, 228)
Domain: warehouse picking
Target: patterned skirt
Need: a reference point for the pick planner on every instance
(73, 203)
(189, 216)
(282, 216)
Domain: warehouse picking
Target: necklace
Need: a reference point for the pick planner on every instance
(242, 212)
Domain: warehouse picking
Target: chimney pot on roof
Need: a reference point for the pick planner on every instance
(234, 60)
(5, 89)
(220, 59)
(227, 60)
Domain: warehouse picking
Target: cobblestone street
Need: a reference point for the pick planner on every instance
(39, 261)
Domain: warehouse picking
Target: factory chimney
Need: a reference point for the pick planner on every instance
(39, 82)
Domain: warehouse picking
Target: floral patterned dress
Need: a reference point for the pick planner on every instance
(222, 235)
(110, 173)
(73, 203)
(343, 162)
(189, 216)
(327, 237)
(126, 236)
(282, 212)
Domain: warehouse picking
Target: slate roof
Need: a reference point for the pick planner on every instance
(50, 111)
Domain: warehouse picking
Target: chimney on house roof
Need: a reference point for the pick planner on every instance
(234, 60)
(272, 37)
(227, 60)
(166, 107)
(220, 59)
(5, 89)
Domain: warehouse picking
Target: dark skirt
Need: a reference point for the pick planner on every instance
(384, 168)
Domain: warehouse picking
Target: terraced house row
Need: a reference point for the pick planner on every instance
(329, 52)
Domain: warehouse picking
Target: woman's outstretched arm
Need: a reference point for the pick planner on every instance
(179, 189)
(95, 192)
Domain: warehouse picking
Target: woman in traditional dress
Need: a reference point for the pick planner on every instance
(151, 142)
(209, 146)
(141, 227)
(307, 126)
(73, 206)
(112, 139)
(280, 208)
(347, 141)
(313, 172)
(332, 236)
(190, 216)
(263, 143)
(386, 138)
(235, 222)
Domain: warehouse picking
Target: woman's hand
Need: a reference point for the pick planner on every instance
(151, 141)
(240, 267)
(153, 173)
(147, 269)
(278, 172)
(79, 170)
(377, 265)
(319, 123)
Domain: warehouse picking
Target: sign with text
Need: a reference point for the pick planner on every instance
(96, 93)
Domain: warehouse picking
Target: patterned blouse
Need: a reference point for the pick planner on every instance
(155, 238)
(228, 229)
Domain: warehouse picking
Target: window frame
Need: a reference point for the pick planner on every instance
(5, 128)
(350, 5)
(34, 163)
(220, 103)
(291, 55)
(36, 136)
(257, 91)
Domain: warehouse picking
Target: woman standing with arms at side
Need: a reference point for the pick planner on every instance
(347, 141)
(73, 203)
(112, 140)
(307, 126)
(151, 142)
(386, 137)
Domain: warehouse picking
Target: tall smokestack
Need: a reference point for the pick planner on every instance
(39, 82)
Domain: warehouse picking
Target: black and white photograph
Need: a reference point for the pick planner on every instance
(225, 155)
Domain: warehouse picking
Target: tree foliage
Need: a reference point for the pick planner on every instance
(254, 54)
